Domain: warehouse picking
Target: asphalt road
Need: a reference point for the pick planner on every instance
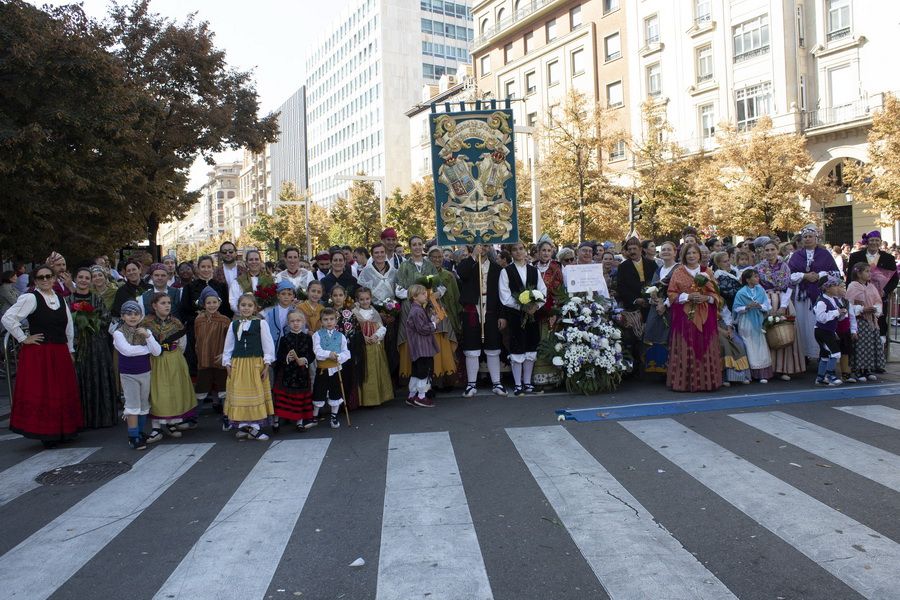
(478, 498)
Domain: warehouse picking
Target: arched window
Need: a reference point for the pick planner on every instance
(484, 25)
(500, 14)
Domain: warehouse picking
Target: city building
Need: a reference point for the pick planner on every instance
(535, 51)
(220, 188)
(254, 193)
(814, 67)
(288, 154)
(450, 88)
(361, 76)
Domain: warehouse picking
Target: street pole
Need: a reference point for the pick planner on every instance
(535, 183)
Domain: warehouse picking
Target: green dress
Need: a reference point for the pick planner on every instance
(172, 397)
(407, 275)
(97, 380)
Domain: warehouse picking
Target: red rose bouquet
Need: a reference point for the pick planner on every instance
(87, 323)
(266, 295)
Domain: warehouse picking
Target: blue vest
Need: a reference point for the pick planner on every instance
(332, 342)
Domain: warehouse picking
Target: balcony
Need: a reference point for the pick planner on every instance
(751, 54)
(522, 13)
(837, 115)
(838, 34)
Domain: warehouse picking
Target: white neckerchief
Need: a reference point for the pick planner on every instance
(243, 326)
(726, 273)
(693, 272)
(664, 270)
(809, 257)
(51, 299)
(418, 266)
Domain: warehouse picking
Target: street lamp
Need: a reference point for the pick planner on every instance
(535, 187)
(382, 204)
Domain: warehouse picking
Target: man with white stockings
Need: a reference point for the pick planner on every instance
(524, 329)
(482, 316)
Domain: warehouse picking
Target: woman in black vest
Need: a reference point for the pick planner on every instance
(524, 337)
(46, 405)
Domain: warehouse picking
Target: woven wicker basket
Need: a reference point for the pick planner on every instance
(780, 335)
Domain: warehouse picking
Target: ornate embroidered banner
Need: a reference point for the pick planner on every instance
(474, 165)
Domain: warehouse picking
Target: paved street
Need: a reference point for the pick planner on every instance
(479, 498)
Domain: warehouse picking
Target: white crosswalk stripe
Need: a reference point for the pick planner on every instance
(850, 551)
(72, 539)
(428, 544)
(242, 547)
(875, 412)
(868, 461)
(19, 478)
(9, 436)
(632, 555)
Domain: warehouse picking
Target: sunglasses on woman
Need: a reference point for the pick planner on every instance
(43, 277)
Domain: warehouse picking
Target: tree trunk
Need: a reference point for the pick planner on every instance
(152, 231)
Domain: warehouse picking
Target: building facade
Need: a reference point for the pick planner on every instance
(814, 67)
(288, 154)
(535, 51)
(362, 75)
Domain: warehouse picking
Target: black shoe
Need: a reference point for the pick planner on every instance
(335, 423)
(137, 443)
(305, 424)
(518, 391)
(276, 424)
(49, 444)
(226, 424)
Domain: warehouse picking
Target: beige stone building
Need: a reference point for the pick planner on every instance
(535, 51)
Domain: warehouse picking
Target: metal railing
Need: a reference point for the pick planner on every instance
(751, 54)
(893, 323)
(837, 114)
(838, 34)
(520, 13)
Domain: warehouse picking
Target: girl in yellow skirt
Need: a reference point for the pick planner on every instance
(249, 350)
(172, 400)
(376, 387)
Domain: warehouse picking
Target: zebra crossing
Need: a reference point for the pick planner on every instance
(431, 546)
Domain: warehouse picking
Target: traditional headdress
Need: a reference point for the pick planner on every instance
(130, 306)
(209, 292)
(284, 284)
(157, 267)
(872, 234)
(811, 228)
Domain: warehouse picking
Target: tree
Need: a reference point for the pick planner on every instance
(66, 133)
(878, 181)
(574, 185)
(665, 177)
(758, 181)
(188, 103)
(288, 223)
(413, 213)
(523, 202)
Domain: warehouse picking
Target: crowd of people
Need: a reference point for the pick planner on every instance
(271, 344)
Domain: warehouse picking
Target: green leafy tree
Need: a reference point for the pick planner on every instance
(188, 102)
(288, 224)
(878, 181)
(413, 213)
(67, 134)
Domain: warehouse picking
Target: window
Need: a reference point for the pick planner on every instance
(510, 89)
(612, 46)
(843, 86)
(575, 17)
(704, 63)
(801, 28)
(551, 30)
(531, 120)
(483, 27)
(614, 94)
(551, 115)
(751, 38)
(578, 61)
(617, 151)
(838, 19)
(654, 80)
(553, 73)
(803, 92)
(707, 122)
(528, 38)
(751, 103)
(610, 5)
(485, 64)
(702, 12)
(651, 30)
(530, 83)
(507, 53)
(500, 14)
(427, 28)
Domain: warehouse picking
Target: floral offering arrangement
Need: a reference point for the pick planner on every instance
(87, 323)
(528, 299)
(588, 348)
(266, 296)
(390, 309)
(772, 320)
(427, 281)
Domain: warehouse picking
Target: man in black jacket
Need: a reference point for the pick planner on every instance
(482, 316)
(633, 275)
(884, 271)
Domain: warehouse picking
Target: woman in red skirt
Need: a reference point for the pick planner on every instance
(292, 394)
(46, 405)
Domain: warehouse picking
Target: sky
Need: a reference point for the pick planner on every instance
(269, 37)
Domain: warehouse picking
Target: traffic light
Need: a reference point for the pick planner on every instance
(634, 210)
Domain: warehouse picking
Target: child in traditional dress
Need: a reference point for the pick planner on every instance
(865, 303)
(330, 348)
(210, 329)
(736, 367)
(743, 260)
(171, 391)
(312, 306)
(376, 388)
(249, 350)
(353, 372)
(135, 345)
(829, 312)
(292, 394)
(420, 328)
(750, 307)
